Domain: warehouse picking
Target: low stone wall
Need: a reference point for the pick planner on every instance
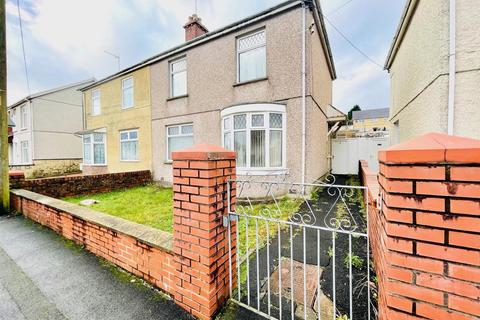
(141, 250)
(49, 168)
(424, 230)
(67, 186)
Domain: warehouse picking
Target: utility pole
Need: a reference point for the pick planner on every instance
(4, 183)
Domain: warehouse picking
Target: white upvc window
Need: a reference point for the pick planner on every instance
(179, 137)
(23, 117)
(127, 93)
(96, 106)
(129, 145)
(178, 77)
(257, 137)
(25, 157)
(94, 148)
(252, 56)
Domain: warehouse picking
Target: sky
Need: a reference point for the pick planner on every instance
(65, 40)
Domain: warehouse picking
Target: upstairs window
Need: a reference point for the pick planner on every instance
(96, 109)
(178, 78)
(251, 57)
(94, 149)
(129, 145)
(179, 137)
(127, 93)
(23, 117)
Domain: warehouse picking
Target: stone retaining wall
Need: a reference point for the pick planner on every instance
(68, 186)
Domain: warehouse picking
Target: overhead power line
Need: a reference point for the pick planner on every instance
(23, 46)
(339, 7)
(352, 44)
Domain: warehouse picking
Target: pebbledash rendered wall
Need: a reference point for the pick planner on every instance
(425, 228)
(192, 264)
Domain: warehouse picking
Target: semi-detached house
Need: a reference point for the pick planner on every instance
(260, 86)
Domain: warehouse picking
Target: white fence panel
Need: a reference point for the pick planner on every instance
(347, 152)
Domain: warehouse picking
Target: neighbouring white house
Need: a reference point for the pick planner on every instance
(43, 142)
(434, 66)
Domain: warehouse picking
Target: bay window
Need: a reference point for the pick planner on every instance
(129, 145)
(179, 137)
(94, 148)
(251, 57)
(258, 137)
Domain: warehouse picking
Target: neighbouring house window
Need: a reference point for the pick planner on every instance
(96, 107)
(178, 78)
(24, 152)
(179, 137)
(127, 93)
(23, 117)
(251, 57)
(129, 145)
(257, 137)
(94, 148)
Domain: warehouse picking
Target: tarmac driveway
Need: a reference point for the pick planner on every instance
(44, 277)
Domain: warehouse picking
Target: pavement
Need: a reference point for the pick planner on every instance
(43, 276)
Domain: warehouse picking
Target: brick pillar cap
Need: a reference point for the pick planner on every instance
(203, 151)
(16, 173)
(433, 148)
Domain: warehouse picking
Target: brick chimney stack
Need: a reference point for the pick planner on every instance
(194, 27)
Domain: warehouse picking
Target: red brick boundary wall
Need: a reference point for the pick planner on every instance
(141, 250)
(200, 241)
(193, 264)
(67, 186)
(425, 231)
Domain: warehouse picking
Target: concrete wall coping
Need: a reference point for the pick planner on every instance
(203, 151)
(433, 148)
(151, 236)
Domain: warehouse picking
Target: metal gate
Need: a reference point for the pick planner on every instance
(302, 250)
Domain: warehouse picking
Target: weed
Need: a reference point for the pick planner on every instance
(330, 252)
(357, 262)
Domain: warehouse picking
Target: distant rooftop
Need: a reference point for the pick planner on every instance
(371, 114)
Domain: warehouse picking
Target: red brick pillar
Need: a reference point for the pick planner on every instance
(200, 176)
(427, 229)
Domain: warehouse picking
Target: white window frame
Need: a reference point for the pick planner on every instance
(254, 109)
(172, 74)
(180, 134)
(96, 112)
(123, 92)
(23, 117)
(92, 143)
(238, 52)
(129, 140)
(24, 145)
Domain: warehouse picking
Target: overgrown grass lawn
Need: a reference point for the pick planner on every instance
(152, 206)
(148, 205)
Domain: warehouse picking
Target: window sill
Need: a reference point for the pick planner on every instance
(93, 165)
(129, 160)
(168, 162)
(250, 81)
(178, 97)
(262, 172)
(126, 108)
